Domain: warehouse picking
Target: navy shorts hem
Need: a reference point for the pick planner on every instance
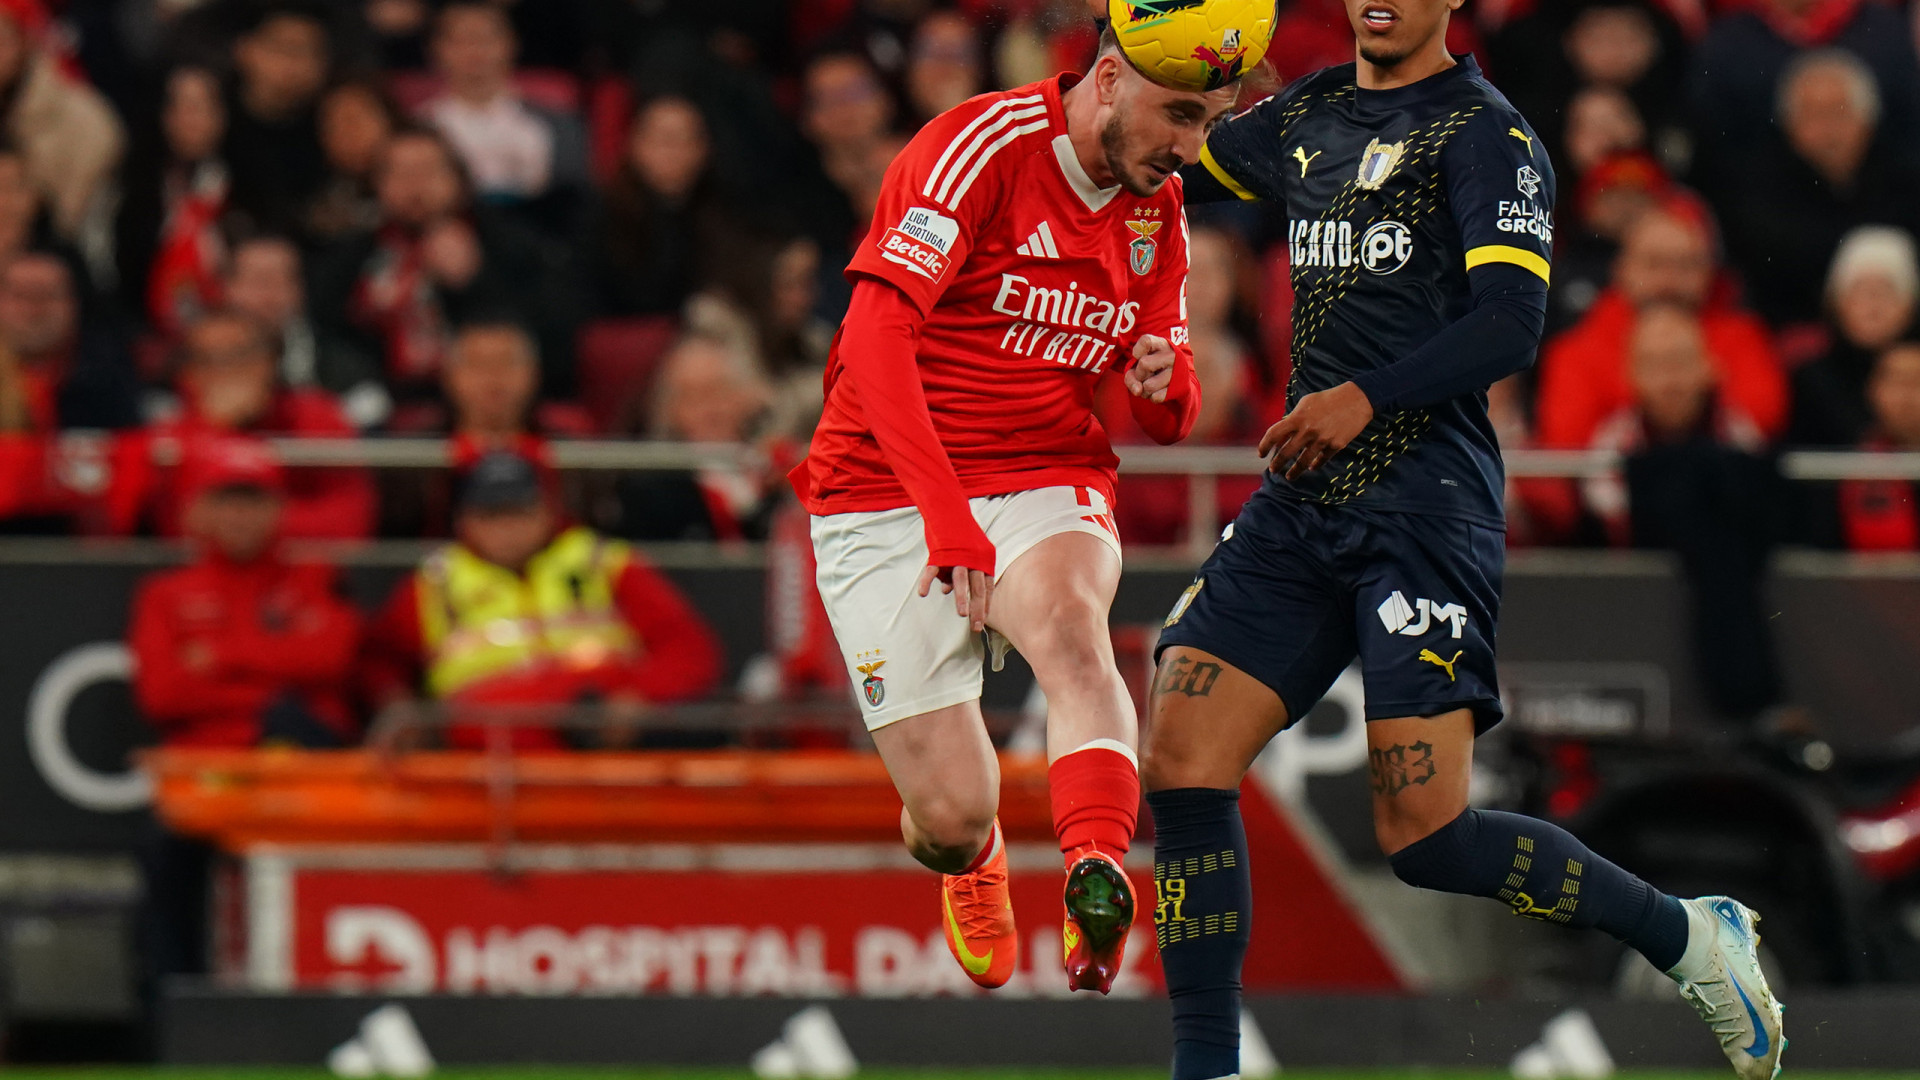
(1487, 711)
(1247, 666)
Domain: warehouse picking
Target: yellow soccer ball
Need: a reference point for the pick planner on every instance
(1193, 45)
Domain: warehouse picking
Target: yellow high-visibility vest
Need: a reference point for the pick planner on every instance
(479, 620)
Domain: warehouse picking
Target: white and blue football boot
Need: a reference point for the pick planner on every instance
(1720, 977)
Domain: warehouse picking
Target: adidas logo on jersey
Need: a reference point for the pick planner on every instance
(1039, 245)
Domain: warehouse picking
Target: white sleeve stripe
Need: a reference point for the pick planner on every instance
(979, 140)
(933, 176)
(992, 149)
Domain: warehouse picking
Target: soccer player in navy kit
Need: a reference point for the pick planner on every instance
(1420, 232)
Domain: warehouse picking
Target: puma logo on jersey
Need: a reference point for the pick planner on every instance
(1523, 137)
(1305, 159)
(1433, 658)
(1039, 244)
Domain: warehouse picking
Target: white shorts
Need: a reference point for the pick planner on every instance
(909, 654)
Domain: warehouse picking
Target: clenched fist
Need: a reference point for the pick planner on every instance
(1151, 372)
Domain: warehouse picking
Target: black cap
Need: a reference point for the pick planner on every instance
(501, 480)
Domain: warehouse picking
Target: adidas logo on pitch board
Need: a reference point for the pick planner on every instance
(1040, 244)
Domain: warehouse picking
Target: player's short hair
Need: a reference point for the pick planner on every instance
(1861, 84)
(1109, 41)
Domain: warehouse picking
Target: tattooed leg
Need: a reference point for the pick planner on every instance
(1419, 768)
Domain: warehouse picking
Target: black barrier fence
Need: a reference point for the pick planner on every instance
(202, 1027)
(1594, 644)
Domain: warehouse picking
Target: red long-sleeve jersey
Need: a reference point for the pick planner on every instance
(215, 643)
(996, 287)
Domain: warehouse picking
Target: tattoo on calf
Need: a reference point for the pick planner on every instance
(1184, 676)
(1398, 768)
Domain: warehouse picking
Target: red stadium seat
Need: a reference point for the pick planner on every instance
(616, 358)
(609, 111)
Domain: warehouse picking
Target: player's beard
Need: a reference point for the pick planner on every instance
(1113, 142)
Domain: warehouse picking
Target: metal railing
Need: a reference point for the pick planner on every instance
(1189, 461)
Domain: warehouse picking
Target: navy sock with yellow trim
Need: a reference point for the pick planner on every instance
(1543, 872)
(1202, 920)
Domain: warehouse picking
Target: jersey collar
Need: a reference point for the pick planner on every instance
(1094, 196)
(1464, 67)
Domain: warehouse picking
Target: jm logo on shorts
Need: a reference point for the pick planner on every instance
(1418, 617)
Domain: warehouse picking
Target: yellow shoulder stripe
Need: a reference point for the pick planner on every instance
(1220, 173)
(1501, 253)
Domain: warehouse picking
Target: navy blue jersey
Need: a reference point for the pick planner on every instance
(1392, 197)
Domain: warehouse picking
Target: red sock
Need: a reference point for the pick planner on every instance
(987, 853)
(1095, 792)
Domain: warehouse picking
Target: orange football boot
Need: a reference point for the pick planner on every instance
(979, 916)
(1099, 913)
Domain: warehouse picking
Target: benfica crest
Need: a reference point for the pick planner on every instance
(873, 685)
(1143, 248)
(1377, 163)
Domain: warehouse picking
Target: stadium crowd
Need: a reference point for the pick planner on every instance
(509, 222)
(506, 222)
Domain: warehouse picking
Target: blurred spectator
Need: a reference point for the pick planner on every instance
(1610, 197)
(1829, 173)
(708, 390)
(847, 116)
(264, 282)
(242, 647)
(665, 215)
(433, 261)
(1666, 257)
(273, 142)
(1736, 71)
(945, 66)
(763, 299)
(516, 153)
(489, 402)
(491, 385)
(170, 230)
(1568, 57)
(1675, 401)
(238, 649)
(1882, 515)
(1872, 292)
(355, 120)
(54, 375)
(1600, 122)
(525, 611)
(67, 131)
(228, 383)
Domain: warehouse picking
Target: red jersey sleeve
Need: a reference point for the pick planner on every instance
(1163, 313)
(938, 192)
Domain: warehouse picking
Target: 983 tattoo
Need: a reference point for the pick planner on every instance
(1398, 768)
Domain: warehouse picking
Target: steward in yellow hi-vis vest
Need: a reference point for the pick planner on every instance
(522, 611)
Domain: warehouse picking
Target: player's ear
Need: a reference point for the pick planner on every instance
(1108, 71)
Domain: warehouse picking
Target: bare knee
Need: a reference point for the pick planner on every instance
(948, 832)
(1070, 639)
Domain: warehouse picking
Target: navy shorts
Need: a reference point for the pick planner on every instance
(1296, 591)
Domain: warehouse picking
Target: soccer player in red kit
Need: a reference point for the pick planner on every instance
(1026, 245)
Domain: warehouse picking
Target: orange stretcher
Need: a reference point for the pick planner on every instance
(241, 798)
